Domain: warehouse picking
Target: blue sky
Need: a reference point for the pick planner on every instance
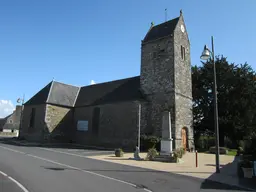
(77, 41)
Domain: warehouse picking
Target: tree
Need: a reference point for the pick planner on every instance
(236, 99)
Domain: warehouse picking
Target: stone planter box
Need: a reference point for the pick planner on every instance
(223, 150)
(248, 172)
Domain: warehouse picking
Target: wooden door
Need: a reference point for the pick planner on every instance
(184, 138)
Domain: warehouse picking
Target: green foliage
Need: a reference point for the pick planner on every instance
(203, 143)
(236, 86)
(250, 148)
(232, 152)
(246, 164)
(149, 141)
(152, 153)
(178, 153)
(119, 152)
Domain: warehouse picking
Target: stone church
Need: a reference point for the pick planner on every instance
(107, 114)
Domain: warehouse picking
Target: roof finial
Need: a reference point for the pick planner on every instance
(180, 12)
(152, 24)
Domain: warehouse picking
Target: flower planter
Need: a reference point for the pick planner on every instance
(248, 172)
(119, 153)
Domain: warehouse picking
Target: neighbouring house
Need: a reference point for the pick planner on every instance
(11, 122)
(106, 114)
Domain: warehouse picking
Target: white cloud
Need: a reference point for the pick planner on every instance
(92, 82)
(6, 108)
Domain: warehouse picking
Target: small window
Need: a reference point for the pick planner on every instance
(183, 53)
(162, 50)
(32, 118)
(10, 121)
(96, 120)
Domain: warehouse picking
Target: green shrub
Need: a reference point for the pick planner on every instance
(119, 152)
(240, 151)
(178, 153)
(152, 153)
(204, 143)
(183, 151)
(241, 144)
(250, 147)
(149, 141)
(246, 164)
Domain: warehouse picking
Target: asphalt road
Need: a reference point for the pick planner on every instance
(64, 170)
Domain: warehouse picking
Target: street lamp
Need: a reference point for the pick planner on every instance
(209, 54)
(21, 100)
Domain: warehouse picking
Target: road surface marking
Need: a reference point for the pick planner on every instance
(15, 181)
(21, 186)
(12, 150)
(76, 168)
(67, 153)
(3, 174)
(69, 166)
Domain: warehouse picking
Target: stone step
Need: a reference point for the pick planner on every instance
(163, 158)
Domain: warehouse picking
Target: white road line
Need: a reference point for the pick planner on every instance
(76, 168)
(21, 186)
(15, 181)
(63, 152)
(12, 150)
(3, 174)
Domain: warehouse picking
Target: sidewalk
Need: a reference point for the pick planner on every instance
(205, 170)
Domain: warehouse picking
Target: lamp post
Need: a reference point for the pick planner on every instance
(19, 100)
(209, 54)
(139, 117)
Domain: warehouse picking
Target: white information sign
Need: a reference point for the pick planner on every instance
(82, 125)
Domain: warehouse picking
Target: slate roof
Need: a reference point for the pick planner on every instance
(102, 93)
(40, 97)
(3, 121)
(161, 30)
(56, 93)
(63, 94)
(110, 92)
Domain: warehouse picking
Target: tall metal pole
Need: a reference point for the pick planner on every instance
(21, 113)
(216, 120)
(139, 125)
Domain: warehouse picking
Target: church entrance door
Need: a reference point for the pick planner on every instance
(184, 137)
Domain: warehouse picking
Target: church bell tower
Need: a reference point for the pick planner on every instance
(165, 79)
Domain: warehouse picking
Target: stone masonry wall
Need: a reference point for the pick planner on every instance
(183, 85)
(157, 74)
(157, 80)
(117, 125)
(159, 103)
(58, 123)
(35, 133)
(13, 121)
